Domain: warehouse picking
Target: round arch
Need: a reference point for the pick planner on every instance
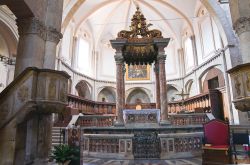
(107, 94)
(137, 94)
(83, 89)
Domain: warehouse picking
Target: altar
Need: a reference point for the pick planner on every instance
(146, 116)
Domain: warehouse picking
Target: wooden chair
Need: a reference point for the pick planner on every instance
(216, 143)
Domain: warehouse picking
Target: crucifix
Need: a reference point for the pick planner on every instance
(182, 94)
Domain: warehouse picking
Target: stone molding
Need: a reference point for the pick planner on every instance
(33, 26)
(242, 25)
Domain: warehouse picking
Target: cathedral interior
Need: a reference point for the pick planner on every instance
(125, 81)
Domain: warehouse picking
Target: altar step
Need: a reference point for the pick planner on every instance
(94, 161)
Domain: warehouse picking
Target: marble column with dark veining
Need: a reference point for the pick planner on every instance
(163, 87)
(120, 99)
(157, 85)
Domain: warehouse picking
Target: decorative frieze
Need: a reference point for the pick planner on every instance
(242, 25)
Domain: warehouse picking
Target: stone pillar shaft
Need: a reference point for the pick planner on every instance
(157, 86)
(119, 89)
(163, 87)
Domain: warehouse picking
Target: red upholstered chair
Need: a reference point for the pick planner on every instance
(216, 147)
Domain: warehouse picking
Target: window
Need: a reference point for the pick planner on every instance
(83, 55)
(189, 56)
(213, 83)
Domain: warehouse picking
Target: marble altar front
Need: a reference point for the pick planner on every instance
(146, 116)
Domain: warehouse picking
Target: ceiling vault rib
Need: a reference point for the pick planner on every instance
(92, 11)
(168, 5)
(127, 14)
(107, 20)
(161, 16)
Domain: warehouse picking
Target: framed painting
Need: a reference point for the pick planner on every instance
(137, 72)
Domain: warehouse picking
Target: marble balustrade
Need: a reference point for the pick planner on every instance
(95, 121)
(173, 145)
(188, 119)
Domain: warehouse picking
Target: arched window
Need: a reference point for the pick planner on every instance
(209, 34)
(189, 54)
(83, 55)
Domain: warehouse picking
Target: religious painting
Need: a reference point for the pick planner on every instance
(74, 137)
(137, 72)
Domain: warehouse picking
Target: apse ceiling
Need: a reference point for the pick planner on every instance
(105, 18)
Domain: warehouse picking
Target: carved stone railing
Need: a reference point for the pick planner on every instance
(199, 103)
(86, 106)
(188, 119)
(95, 121)
(179, 145)
(108, 145)
(33, 91)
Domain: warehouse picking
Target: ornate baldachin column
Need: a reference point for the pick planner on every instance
(157, 85)
(163, 88)
(37, 45)
(119, 88)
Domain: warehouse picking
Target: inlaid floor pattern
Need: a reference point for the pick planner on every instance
(94, 161)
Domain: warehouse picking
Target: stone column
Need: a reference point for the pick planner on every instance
(52, 39)
(119, 88)
(163, 88)
(37, 45)
(157, 86)
(30, 51)
(241, 22)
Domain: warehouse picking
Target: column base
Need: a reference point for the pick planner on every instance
(118, 124)
(165, 123)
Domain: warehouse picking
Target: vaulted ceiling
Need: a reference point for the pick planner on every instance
(104, 18)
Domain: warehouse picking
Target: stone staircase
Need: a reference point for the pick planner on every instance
(57, 137)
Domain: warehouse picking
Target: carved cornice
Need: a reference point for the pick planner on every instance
(33, 26)
(242, 25)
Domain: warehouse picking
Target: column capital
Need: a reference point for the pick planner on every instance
(33, 25)
(119, 59)
(192, 37)
(53, 35)
(242, 25)
(156, 67)
(161, 57)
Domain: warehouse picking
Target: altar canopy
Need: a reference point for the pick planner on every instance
(140, 46)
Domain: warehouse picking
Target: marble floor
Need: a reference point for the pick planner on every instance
(95, 161)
